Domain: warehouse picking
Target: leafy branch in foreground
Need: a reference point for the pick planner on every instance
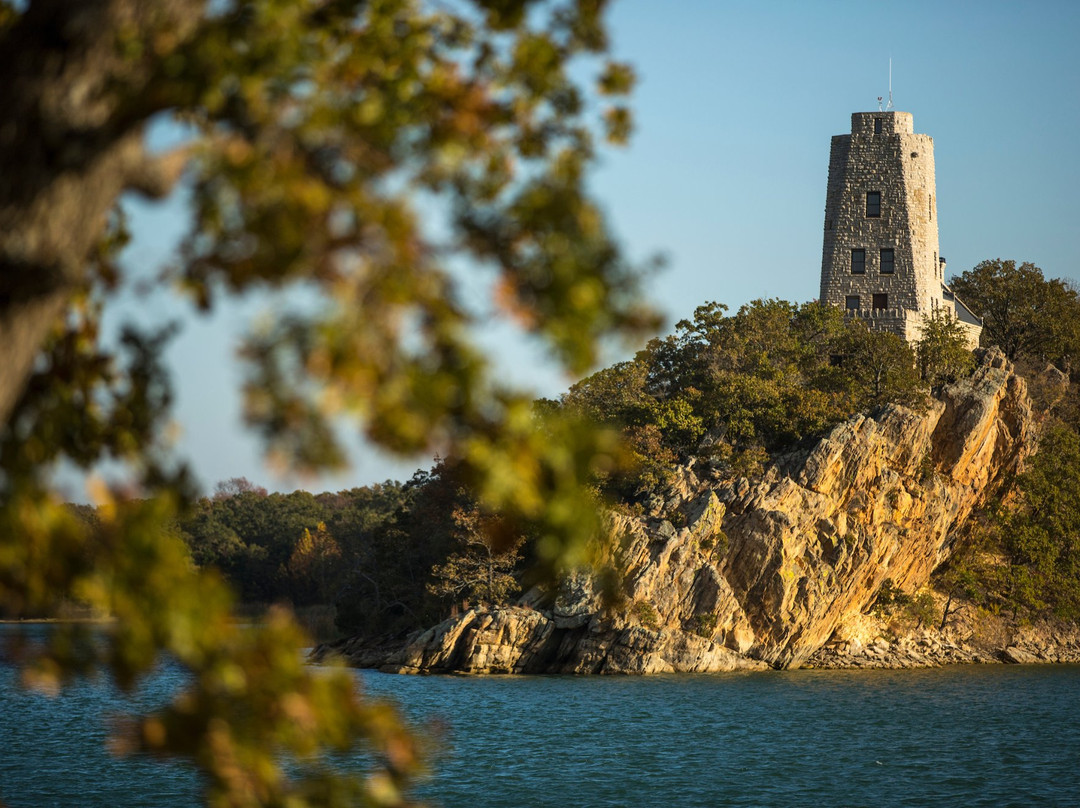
(313, 128)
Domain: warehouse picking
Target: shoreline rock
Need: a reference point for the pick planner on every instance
(523, 640)
(970, 639)
(1042, 643)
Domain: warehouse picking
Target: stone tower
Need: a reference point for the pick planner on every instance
(880, 258)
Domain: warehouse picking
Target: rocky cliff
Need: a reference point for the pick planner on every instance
(727, 573)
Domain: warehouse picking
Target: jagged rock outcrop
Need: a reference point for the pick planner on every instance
(723, 574)
(519, 639)
(877, 499)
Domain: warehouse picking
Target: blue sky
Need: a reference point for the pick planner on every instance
(726, 173)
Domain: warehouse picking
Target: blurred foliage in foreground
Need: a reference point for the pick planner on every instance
(316, 130)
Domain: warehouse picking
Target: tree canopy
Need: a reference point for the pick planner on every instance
(731, 388)
(1024, 313)
(313, 132)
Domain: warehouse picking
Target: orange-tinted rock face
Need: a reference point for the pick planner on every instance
(878, 498)
(765, 572)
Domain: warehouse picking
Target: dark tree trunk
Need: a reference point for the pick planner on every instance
(72, 113)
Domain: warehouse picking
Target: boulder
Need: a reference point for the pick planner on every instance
(1018, 656)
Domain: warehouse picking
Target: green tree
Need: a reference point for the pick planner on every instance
(615, 395)
(616, 398)
(1042, 534)
(942, 351)
(250, 536)
(767, 375)
(387, 590)
(211, 541)
(352, 516)
(1023, 313)
(881, 367)
(312, 127)
(1022, 554)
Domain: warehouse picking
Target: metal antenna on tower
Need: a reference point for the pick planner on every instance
(889, 107)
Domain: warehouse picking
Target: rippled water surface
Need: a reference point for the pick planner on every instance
(993, 736)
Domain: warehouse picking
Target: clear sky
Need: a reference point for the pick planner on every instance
(726, 173)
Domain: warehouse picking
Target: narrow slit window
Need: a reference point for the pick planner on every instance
(873, 203)
(851, 302)
(877, 126)
(858, 262)
(888, 261)
(880, 301)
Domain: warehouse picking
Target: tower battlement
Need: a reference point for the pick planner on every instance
(892, 123)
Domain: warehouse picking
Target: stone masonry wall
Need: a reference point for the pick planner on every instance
(899, 164)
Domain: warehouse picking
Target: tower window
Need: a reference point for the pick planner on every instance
(887, 261)
(858, 262)
(873, 203)
(877, 126)
(880, 301)
(851, 302)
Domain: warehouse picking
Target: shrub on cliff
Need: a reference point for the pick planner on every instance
(732, 388)
(906, 610)
(942, 351)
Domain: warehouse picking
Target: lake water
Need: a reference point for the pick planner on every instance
(964, 736)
